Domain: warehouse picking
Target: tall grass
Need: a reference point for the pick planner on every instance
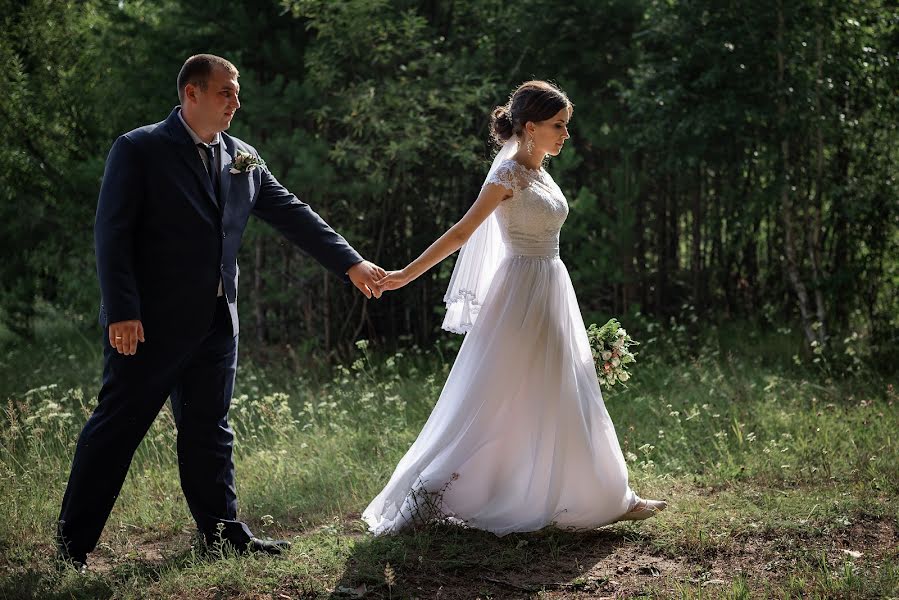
(702, 412)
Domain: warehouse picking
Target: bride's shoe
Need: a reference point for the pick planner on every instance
(644, 509)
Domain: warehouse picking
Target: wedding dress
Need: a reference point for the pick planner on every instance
(520, 437)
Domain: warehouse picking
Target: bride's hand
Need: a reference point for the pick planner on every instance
(393, 281)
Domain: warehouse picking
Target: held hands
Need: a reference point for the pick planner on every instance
(394, 280)
(373, 280)
(365, 276)
(124, 336)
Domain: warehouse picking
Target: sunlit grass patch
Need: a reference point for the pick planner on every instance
(772, 470)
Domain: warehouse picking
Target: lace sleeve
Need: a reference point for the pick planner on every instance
(504, 176)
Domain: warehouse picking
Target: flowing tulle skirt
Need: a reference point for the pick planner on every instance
(520, 437)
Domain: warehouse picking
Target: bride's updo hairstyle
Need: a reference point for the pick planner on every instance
(533, 101)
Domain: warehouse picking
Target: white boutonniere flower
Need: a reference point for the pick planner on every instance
(244, 162)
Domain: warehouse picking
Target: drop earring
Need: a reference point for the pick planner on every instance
(530, 145)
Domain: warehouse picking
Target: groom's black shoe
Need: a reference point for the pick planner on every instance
(65, 557)
(64, 560)
(268, 546)
(254, 545)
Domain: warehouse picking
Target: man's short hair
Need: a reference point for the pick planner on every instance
(197, 69)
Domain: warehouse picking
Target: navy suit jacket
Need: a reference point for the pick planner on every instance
(163, 242)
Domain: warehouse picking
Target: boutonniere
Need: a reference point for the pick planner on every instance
(244, 162)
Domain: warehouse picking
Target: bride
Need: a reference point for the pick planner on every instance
(520, 437)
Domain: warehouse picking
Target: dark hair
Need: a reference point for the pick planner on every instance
(533, 101)
(197, 69)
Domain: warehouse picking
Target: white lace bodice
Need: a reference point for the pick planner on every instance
(531, 219)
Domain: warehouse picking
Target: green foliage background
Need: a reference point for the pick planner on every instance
(737, 158)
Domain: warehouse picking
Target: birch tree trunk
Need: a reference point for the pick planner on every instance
(786, 201)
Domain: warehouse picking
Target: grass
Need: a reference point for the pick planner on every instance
(782, 478)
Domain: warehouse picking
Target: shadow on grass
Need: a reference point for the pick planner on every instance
(34, 584)
(451, 562)
(51, 581)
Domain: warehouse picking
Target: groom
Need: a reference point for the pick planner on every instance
(174, 203)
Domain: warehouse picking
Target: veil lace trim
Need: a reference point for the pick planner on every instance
(479, 256)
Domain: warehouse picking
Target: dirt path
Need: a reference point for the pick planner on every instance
(603, 564)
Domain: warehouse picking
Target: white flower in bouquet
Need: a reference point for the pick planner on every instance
(609, 346)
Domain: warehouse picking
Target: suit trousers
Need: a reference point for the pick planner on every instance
(199, 379)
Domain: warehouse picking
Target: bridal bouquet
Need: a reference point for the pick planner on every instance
(610, 345)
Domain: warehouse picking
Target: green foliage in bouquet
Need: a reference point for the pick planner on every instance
(610, 345)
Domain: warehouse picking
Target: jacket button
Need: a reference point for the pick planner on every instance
(224, 235)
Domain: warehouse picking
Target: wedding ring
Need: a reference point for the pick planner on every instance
(118, 337)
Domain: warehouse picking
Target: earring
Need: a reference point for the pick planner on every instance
(530, 145)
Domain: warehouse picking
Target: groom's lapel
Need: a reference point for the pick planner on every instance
(189, 154)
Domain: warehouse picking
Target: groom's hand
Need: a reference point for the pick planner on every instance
(364, 276)
(124, 336)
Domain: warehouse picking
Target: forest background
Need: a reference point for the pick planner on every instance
(734, 158)
(732, 186)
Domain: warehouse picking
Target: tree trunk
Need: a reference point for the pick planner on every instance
(840, 245)
(326, 309)
(285, 310)
(716, 259)
(786, 201)
(661, 295)
(672, 260)
(814, 237)
(696, 243)
(640, 232)
(627, 254)
(259, 305)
